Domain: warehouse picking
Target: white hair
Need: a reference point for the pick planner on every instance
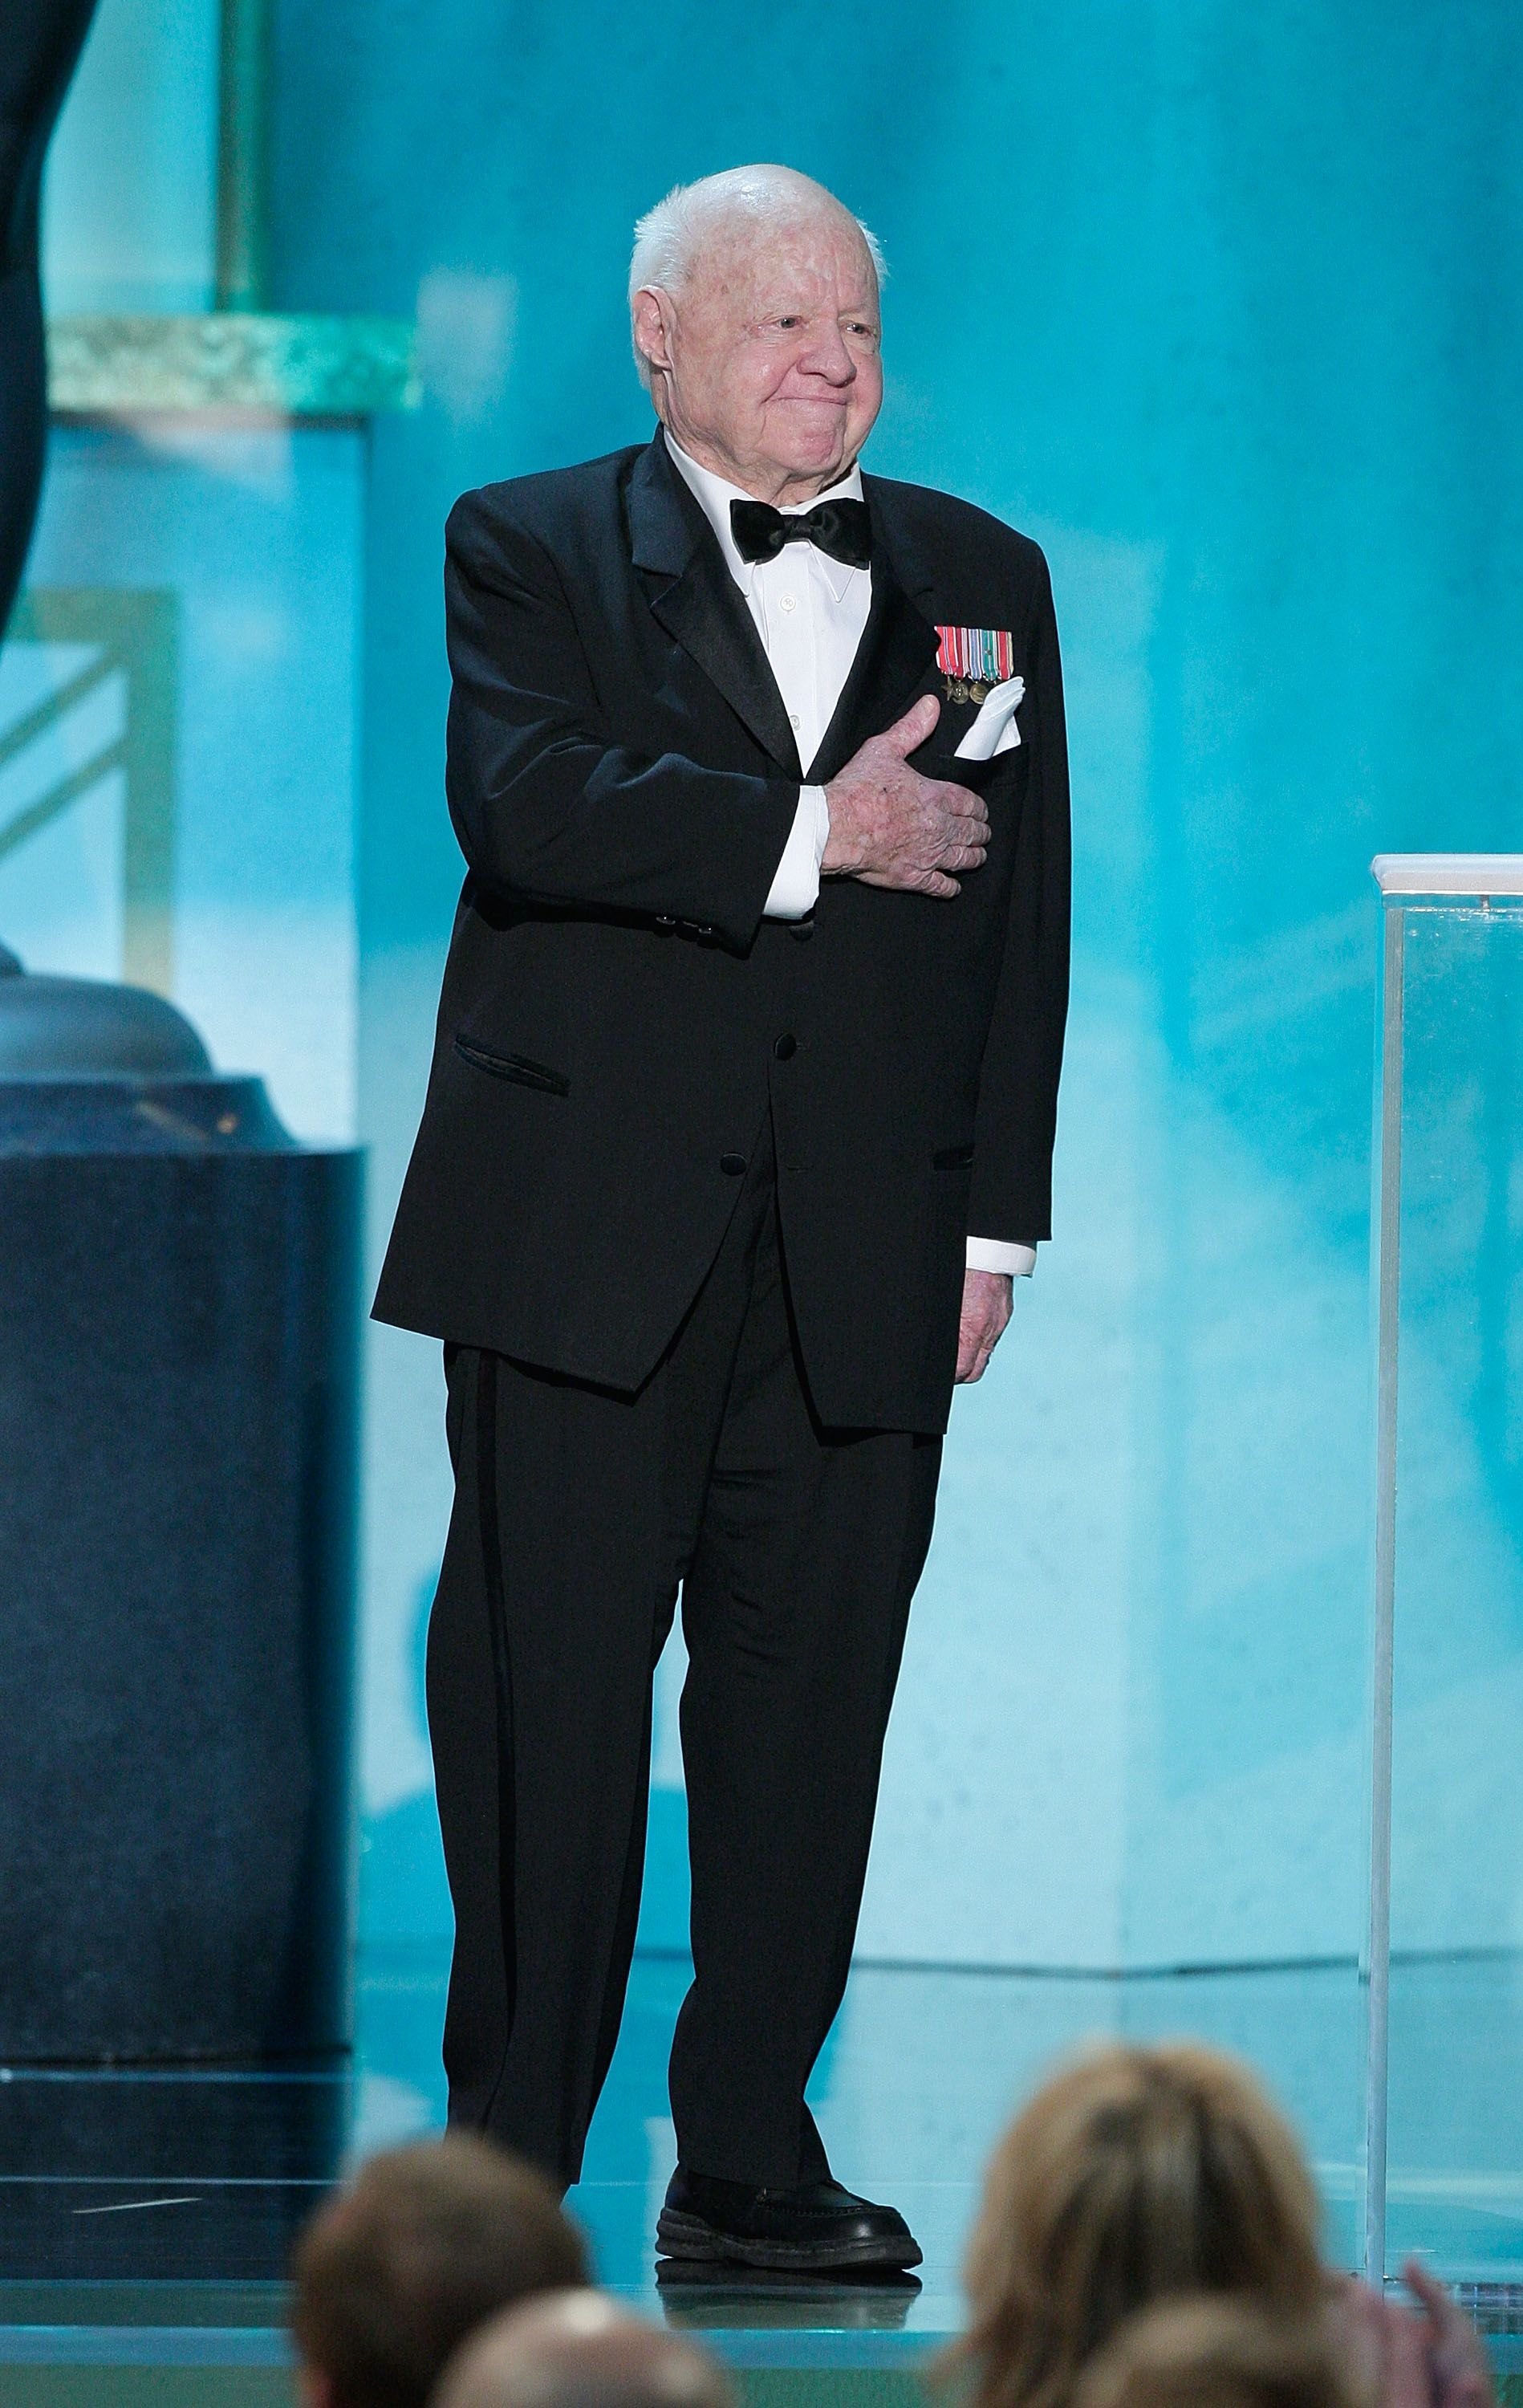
(670, 238)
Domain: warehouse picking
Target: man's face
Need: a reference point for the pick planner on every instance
(767, 365)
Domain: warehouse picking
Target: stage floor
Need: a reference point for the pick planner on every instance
(146, 2216)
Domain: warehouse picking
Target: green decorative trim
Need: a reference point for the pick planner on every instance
(243, 156)
(130, 631)
(298, 368)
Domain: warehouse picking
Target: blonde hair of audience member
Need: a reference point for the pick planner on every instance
(1134, 2175)
(419, 2249)
(576, 2350)
(1227, 2352)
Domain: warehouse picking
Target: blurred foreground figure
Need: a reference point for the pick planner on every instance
(739, 1124)
(1224, 2353)
(1134, 2175)
(1426, 2356)
(40, 41)
(424, 2247)
(1140, 2177)
(581, 2350)
(1229, 2351)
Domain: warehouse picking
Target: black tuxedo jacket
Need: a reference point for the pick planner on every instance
(617, 1015)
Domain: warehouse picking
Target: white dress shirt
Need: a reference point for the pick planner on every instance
(810, 612)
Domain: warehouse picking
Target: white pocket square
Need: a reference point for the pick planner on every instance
(994, 730)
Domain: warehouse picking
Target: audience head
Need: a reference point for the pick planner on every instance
(576, 2350)
(1222, 2352)
(422, 2247)
(1136, 2174)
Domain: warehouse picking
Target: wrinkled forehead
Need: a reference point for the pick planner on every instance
(820, 258)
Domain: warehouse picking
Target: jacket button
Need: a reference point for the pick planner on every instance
(786, 1048)
(733, 1164)
(800, 930)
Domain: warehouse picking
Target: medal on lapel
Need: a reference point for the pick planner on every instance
(972, 659)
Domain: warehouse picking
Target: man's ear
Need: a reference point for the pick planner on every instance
(649, 320)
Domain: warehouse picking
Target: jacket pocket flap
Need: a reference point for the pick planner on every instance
(516, 1066)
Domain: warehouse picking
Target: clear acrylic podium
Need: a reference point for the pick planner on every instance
(1444, 2165)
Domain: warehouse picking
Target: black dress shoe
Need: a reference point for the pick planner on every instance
(816, 2225)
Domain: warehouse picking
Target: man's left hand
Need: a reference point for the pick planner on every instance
(985, 1309)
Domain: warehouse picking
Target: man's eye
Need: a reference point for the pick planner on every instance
(791, 322)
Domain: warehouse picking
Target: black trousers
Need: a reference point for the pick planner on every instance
(578, 1514)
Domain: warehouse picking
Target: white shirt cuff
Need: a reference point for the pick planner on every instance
(795, 888)
(997, 1255)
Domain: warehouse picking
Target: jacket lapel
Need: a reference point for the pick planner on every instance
(697, 601)
(898, 646)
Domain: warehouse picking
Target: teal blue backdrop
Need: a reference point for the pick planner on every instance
(1222, 305)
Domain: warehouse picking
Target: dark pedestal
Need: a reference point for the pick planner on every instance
(177, 1379)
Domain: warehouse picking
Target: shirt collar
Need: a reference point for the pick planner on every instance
(715, 497)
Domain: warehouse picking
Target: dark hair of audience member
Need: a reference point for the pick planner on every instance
(422, 2246)
(1225, 2352)
(1134, 2175)
(578, 2349)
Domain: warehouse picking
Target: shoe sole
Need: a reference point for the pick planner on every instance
(688, 2236)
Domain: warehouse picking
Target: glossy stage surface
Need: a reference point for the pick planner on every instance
(147, 2215)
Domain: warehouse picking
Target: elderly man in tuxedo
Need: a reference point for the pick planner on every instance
(739, 1124)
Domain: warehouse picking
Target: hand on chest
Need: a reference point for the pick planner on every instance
(813, 657)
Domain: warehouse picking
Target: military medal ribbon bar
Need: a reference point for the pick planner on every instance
(973, 659)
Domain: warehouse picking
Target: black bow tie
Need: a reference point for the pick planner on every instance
(843, 529)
